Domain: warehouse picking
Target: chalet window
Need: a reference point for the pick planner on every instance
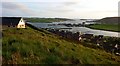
(13, 25)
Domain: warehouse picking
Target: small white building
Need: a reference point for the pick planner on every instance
(16, 22)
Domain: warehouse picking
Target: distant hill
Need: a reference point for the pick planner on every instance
(109, 20)
(47, 20)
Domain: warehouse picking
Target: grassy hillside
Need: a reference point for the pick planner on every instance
(109, 27)
(30, 46)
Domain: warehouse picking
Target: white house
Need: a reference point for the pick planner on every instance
(16, 22)
(21, 23)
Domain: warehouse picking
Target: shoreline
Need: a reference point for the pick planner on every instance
(90, 28)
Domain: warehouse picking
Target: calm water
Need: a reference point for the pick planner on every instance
(76, 29)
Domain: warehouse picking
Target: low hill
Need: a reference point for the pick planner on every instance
(109, 20)
(46, 20)
(30, 46)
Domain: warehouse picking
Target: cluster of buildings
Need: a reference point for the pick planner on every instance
(109, 44)
(74, 25)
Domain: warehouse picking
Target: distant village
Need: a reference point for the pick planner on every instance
(109, 44)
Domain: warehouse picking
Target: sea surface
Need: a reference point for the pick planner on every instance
(83, 30)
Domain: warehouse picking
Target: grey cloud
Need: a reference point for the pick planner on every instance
(16, 7)
(9, 5)
(70, 3)
(52, 7)
(62, 7)
(60, 10)
(46, 8)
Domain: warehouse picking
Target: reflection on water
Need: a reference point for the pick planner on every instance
(76, 29)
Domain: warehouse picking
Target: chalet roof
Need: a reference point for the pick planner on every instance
(10, 20)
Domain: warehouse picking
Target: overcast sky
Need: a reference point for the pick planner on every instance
(60, 8)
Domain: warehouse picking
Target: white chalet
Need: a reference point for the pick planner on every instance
(16, 22)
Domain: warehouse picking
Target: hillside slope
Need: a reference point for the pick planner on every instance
(109, 20)
(30, 46)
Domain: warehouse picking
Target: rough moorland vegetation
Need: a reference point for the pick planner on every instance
(30, 46)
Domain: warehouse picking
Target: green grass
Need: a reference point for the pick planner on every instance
(109, 27)
(30, 46)
(46, 20)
